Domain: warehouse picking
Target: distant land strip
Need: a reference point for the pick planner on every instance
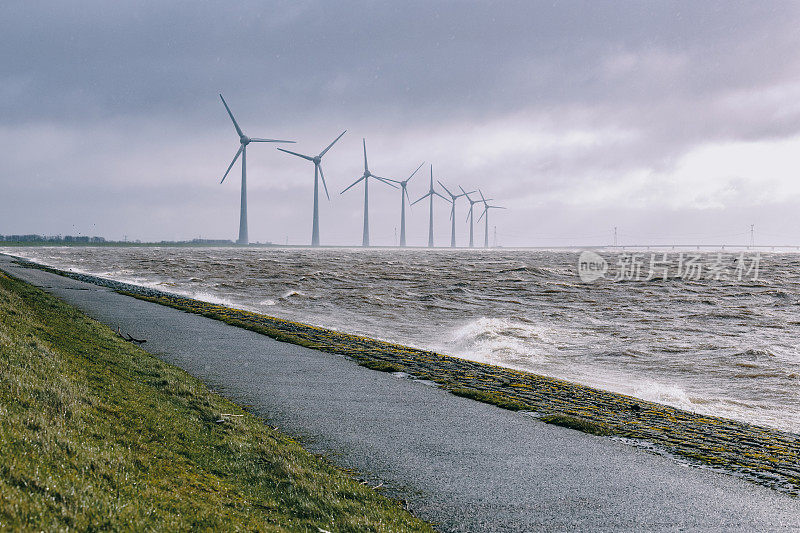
(761, 455)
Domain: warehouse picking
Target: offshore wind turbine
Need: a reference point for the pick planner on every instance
(365, 177)
(403, 196)
(485, 213)
(431, 192)
(470, 214)
(244, 140)
(453, 198)
(317, 160)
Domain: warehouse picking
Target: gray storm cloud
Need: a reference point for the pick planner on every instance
(668, 119)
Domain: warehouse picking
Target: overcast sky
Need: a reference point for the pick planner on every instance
(675, 121)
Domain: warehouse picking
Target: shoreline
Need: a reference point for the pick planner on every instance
(764, 456)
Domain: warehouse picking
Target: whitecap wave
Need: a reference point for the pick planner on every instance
(501, 341)
(668, 394)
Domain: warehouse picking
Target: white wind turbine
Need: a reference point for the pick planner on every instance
(485, 213)
(317, 160)
(365, 177)
(431, 192)
(244, 140)
(453, 198)
(403, 195)
(470, 214)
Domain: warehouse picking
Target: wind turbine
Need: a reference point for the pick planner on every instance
(244, 140)
(365, 177)
(317, 160)
(486, 208)
(403, 196)
(431, 192)
(470, 214)
(453, 198)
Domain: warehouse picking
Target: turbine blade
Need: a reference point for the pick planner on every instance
(298, 155)
(482, 198)
(480, 217)
(325, 151)
(445, 188)
(405, 190)
(260, 140)
(468, 212)
(425, 196)
(384, 180)
(351, 185)
(321, 175)
(465, 193)
(440, 196)
(412, 174)
(232, 162)
(235, 124)
(366, 168)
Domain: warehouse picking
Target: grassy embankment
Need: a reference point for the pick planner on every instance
(97, 434)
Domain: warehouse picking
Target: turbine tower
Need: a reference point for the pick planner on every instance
(485, 213)
(365, 177)
(317, 160)
(470, 214)
(453, 198)
(403, 196)
(431, 192)
(244, 140)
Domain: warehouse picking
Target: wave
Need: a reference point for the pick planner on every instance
(502, 341)
(668, 394)
(292, 295)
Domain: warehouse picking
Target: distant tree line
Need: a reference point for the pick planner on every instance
(82, 239)
(50, 238)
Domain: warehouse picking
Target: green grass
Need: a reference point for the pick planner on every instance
(577, 423)
(558, 419)
(96, 434)
(490, 397)
(382, 366)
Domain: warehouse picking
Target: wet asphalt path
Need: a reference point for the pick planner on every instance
(461, 464)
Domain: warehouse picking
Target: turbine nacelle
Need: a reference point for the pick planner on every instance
(244, 139)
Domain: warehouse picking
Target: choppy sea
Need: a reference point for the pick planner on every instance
(703, 334)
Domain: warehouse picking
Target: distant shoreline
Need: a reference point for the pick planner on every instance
(785, 248)
(761, 455)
